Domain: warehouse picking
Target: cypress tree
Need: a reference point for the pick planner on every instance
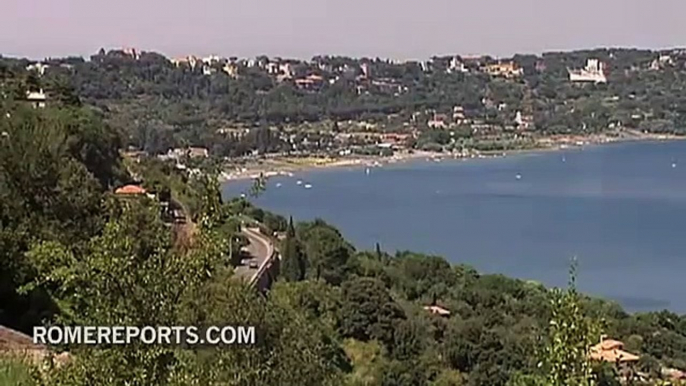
(293, 261)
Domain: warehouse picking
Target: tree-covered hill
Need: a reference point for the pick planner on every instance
(160, 103)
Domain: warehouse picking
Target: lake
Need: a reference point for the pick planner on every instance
(620, 209)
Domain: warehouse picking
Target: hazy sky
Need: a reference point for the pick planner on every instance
(399, 29)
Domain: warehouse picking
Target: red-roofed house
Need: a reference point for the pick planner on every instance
(130, 190)
(610, 350)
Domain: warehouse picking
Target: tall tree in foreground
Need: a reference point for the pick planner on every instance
(131, 275)
(565, 359)
(54, 168)
(293, 265)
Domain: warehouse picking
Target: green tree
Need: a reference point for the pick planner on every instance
(54, 168)
(368, 312)
(130, 275)
(565, 358)
(293, 261)
(329, 256)
(292, 348)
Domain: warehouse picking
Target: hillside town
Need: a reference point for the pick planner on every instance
(273, 114)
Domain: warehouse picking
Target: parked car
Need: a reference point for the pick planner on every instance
(253, 265)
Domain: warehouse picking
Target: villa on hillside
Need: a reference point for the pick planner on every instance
(190, 152)
(504, 69)
(130, 190)
(197, 152)
(231, 69)
(522, 121)
(36, 98)
(456, 65)
(190, 60)
(612, 351)
(309, 82)
(593, 72)
(661, 62)
(38, 67)
(132, 52)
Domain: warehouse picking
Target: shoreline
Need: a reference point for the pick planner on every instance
(287, 166)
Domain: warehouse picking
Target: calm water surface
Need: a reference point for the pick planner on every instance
(620, 209)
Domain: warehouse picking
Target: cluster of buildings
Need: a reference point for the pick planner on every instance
(312, 74)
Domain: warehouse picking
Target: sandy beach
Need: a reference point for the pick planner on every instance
(286, 166)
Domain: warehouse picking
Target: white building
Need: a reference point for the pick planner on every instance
(231, 69)
(366, 70)
(132, 52)
(273, 68)
(518, 119)
(661, 62)
(191, 61)
(593, 72)
(286, 69)
(37, 99)
(456, 66)
(38, 67)
(207, 70)
(211, 59)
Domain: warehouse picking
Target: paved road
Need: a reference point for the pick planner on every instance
(259, 249)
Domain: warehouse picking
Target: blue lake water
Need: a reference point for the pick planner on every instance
(620, 209)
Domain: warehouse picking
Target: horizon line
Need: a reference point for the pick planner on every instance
(355, 57)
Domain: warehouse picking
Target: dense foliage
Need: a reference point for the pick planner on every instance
(160, 104)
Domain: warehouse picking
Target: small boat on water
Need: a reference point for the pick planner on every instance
(278, 184)
(518, 176)
(673, 165)
(367, 171)
(299, 182)
(308, 186)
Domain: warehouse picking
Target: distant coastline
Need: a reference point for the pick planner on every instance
(287, 166)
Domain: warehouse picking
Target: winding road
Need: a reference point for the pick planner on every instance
(260, 249)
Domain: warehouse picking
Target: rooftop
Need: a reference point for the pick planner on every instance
(130, 189)
(437, 310)
(610, 350)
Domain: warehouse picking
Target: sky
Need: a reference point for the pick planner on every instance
(397, 29)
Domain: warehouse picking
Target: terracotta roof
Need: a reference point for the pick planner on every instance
(130, 189)
(610, 350)
(610, 344)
